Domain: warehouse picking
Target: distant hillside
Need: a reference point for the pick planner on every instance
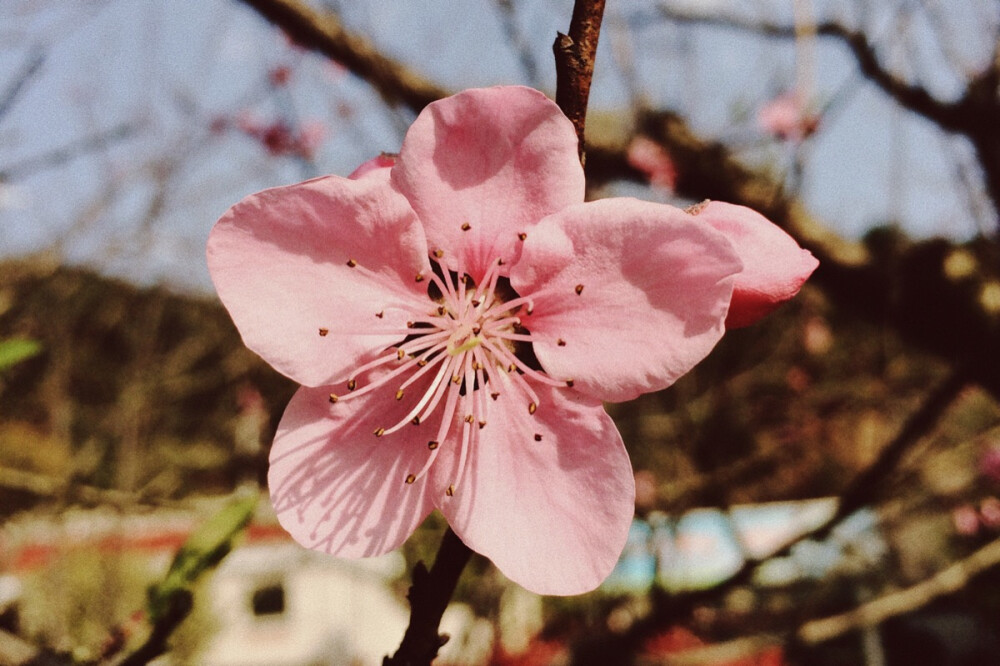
(135, 389)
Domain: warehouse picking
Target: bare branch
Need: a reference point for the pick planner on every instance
(322, 32)
(949, 580)
(7, 98)
(913, 97)
(429, 596)
(70, 151)
(575, 55)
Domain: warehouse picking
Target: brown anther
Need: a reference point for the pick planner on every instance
(532, 408)
(561, 342)
(451, 491)
(410, 478)
(476, 302)
(400, 354)
(419, 277)
(522, 236)
(466, 226)
(399, 394)
(409, 324)
(441, 310)
(333, 398)
(323, 331)
(578, 289)
(379, 432)
(494, 395)
(538, 437)
(416, 420)
(380, 314)
(476, 329)
(422, 362)
(569, 383)
(482, 424)
(439, 253)
(469, 418)
(432, 445)
(351, 263)
(351, 384)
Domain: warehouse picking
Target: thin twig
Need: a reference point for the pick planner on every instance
(429, 596)
(323, 32)
(575, 55)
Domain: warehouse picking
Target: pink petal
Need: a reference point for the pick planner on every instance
(628, 295)
(279, 260)
(547, 497)
(774, 266)
(338, 488)
(495, 159)
(380, 166)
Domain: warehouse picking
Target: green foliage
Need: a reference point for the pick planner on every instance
(203, 550)
(15, 350)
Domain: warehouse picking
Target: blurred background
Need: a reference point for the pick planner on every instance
(823, 489)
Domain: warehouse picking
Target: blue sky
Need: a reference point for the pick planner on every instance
(142, 207)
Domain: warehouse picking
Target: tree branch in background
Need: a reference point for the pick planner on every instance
(670, 609)
(34, 64)
(70, 151)
(913, 97)
(322, 32)
(575, 54)
(973, 115)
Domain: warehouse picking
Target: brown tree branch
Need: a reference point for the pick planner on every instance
(911, 96)
(949, 580)
(429, 596)
(322, 32)
(575, 53)
(669, 609)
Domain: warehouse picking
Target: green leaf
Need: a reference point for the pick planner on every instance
(15, 350)
(203, 550)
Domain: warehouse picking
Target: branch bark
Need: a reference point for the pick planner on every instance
(429, 596)
(575, 53)
(322, 32)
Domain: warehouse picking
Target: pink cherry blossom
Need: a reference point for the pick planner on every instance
(456, 315)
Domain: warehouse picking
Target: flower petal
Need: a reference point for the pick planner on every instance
(306, 270)
(338, 488)
(628, 295)
(774, 266)
(494, 161)
(547, 497)
(379, 166)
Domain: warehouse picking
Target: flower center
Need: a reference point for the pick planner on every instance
(468, 334)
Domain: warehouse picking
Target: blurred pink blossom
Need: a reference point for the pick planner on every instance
(653, 161)
(786, 118)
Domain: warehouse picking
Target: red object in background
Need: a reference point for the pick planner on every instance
(677, 640)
